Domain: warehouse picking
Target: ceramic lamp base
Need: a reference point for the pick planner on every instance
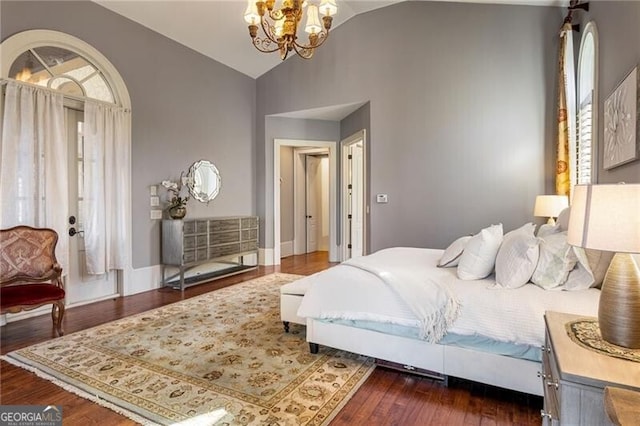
(619, 309)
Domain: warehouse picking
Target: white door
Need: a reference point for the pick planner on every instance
(80, 286)
(314, 176)
(357, 201)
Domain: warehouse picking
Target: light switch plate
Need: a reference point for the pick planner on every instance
(153, 190)
(156, 214)
(154, 201)
(382, 198)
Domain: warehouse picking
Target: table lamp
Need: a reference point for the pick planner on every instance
(550, 206)
(607, 217)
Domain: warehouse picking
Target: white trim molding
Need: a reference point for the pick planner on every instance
(333, 190)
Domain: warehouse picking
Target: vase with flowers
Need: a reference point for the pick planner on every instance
(177, 197)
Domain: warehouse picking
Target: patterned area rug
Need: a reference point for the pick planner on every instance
(220, 358)
(586, 333)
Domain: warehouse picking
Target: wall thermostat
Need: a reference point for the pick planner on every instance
(382, 198)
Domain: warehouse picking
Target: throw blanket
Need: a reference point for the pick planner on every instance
(342, 292)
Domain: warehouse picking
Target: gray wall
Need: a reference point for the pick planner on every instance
(185, 107)
(461, 113)
(618, 25)
(286, 194)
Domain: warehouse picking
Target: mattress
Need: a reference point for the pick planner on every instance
(473, 342)
(514, 316)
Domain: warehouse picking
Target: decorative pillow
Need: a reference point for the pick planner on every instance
(590, 269)
(557, 259)
(581, 277)
(563, 219)
(451, 255)
(479, 256)
(599, 262)
(548, 229)
(517, 257)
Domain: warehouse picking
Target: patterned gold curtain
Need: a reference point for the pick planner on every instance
(563, 172)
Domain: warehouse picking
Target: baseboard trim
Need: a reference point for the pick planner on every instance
(286, 249)
(265, 256)
(144, 279)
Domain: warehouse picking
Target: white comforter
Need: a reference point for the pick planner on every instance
(508, 315)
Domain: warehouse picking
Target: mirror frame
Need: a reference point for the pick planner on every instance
(201, 196)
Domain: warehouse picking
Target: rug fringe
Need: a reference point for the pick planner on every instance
(79, 392)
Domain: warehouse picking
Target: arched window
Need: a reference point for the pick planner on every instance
(62, 62)
(587, 98)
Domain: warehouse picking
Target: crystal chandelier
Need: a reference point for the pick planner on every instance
(280, 26)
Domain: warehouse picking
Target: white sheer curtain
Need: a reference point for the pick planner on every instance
(33, 163)
(106, 179)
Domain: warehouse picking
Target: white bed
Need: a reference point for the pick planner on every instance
(353, 309)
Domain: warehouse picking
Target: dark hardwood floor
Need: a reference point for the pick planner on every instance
(387, 397)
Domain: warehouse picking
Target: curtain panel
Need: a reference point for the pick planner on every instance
(107, 177)
(33, 160)
(565, 160)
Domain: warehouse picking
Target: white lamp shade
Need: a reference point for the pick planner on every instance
(313, 22)
(328, 7)
(606, 217)
(251, 16)
(550, 205)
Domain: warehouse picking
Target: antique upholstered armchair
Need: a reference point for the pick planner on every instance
(30, 275)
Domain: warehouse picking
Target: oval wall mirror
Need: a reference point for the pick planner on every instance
(204, 181)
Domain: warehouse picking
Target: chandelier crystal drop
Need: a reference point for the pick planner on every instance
(280, 25)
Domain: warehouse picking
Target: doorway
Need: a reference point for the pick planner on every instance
(313, 203)
(354, 206)
(300, 224)
(81, 287)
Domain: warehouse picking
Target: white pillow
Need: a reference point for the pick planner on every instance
(590, 269)
(548, 229)
(557, 259)
(479, 256)
(563, 219)
(517, 257)
(451, 255)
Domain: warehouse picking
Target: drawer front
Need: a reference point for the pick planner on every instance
(189, 256)
(224, 237)
(249, 246)
(550, 382)
(202, 240)
(223, 250)
(189, 242)
(201, 226)
(224, 225)
(201, 254)
(249, 222)
(189, 227)
(249, 234)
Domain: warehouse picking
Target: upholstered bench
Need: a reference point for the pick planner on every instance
(290, 298)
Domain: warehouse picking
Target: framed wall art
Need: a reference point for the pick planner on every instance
(621, 123)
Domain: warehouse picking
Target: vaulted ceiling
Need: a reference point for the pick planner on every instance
(216, 28)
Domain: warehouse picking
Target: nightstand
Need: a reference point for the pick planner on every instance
(574, 377)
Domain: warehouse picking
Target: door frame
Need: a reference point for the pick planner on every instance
(345, 144)
(331, 146)
(299, 197)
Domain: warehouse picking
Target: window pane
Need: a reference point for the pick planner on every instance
(61, 62)
(97, 88)
(27, 68)
(67, 86)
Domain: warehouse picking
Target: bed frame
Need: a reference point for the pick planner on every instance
(497, 370)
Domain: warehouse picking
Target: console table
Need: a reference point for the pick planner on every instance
(193, 242)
